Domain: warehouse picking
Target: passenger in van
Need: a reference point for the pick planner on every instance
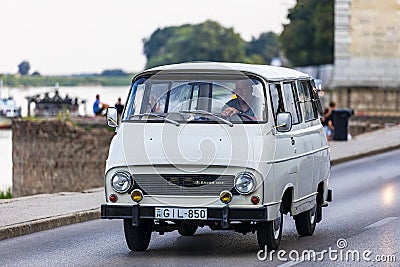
(156, 106)
(245, 102)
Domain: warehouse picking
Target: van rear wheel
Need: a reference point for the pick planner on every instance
(306, 222)
(270, 233)
(137, 237)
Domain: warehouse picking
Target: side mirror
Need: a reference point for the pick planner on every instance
(284, 122)
(112, 117)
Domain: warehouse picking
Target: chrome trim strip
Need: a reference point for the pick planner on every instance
(301, 131)
(182, 196)
(298, 156)
(305, 197)
(273, 203)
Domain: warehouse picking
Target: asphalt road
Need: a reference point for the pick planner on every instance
(365, 212)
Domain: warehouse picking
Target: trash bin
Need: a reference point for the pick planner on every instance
(341, 123)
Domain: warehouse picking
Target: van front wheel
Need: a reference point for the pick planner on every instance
(270, 233)
(306, 222)
(137, 237)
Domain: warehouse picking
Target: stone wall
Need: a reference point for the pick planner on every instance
(374, 108)
(53, 156)
(367, 37)
(366, 101)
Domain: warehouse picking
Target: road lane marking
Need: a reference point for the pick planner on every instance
(381, 222)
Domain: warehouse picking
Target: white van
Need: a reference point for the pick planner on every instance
(224, 145)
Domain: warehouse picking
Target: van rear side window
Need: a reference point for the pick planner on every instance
(306, 100)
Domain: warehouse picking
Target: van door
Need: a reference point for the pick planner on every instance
(303, 139)
(285, 169)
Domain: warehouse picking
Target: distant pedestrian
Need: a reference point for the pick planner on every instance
(120, 107)
(99, 107)
(327, 121)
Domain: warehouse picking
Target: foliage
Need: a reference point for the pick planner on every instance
(114, 72)
(308, 39)
(64, 115)
(263, 49)
(24, 67)
(208, 41)
(29, 81)
(6, 195)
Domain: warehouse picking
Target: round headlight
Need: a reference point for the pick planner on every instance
(121, 182)
(245, 183)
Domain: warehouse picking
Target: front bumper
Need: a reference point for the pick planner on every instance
(223, 214)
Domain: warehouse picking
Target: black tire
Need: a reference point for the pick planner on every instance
(137, 237)
(319, 212)
(270, 233)
(187, 230)
(306, 222)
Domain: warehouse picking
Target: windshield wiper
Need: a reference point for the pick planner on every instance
(203, 112)
(157, 116)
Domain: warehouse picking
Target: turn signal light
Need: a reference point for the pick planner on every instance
(137, 195)
(255, 200)
(225, 197)
(113, 198)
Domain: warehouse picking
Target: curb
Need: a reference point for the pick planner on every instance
(48, 223)
(365, 154)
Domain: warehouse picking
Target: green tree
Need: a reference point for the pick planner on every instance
(262, 49)
(24, 67)
(208, 41)
(308, 38)
(113, 72)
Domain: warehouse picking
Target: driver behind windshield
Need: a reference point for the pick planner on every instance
(244, 103)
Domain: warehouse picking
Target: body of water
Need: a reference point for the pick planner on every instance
(108, 95)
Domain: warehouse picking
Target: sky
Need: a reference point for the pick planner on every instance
(89, 36)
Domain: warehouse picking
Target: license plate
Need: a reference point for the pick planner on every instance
(181, 213)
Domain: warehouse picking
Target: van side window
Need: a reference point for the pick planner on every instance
(306, 100)
(291, 101)
(317, 100)
(276, 98)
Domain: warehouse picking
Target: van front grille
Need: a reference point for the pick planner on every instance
(184, 185)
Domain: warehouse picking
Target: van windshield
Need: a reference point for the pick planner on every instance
(156, 98)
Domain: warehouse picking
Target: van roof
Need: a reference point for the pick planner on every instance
(267, 71)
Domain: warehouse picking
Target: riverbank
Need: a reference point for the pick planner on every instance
(89, 80)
